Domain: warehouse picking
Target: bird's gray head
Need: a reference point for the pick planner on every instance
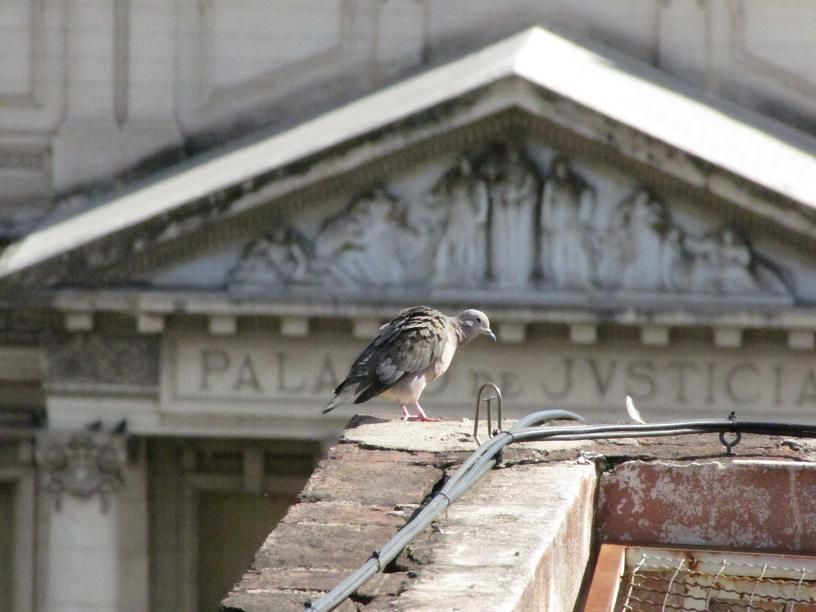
(474, 323)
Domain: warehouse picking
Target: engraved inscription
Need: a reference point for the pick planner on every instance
(303, 372)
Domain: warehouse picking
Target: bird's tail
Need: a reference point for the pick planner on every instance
(334, 403)
(341, 396)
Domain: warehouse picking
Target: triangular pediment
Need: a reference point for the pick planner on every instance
(537, 171)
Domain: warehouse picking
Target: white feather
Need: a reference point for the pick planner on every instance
(633, 412)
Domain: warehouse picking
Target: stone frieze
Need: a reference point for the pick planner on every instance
(98, 359)
(499, 219)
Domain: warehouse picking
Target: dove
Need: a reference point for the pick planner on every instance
(410, 351)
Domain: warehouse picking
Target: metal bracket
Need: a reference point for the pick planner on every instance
(730, 445)
(496, 395)
(737, 435)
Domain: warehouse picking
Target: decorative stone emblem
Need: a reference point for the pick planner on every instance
(99, 359)
(84, 465)
(497, 219)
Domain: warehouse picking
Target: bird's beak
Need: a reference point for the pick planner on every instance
(490, 335)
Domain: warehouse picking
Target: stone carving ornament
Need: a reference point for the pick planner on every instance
(513, 184)
(461, 255)
(632, 245)
(100, 359)
(282, 256)
(497, 220)
(567, 243)
(83, 465)
(365, 244)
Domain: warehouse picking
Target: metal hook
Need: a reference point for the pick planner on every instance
(489, 400)
(737, 435)
(730, 445)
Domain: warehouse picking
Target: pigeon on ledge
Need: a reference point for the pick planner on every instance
(411, 350)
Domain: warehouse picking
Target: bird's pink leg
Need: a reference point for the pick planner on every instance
(421, 416)
(407, 416)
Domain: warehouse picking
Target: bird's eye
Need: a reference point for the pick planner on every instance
(479, 320)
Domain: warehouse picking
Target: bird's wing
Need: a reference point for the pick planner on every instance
(409, 344)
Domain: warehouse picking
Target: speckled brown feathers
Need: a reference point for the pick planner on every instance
(411, 351)
(409, 343)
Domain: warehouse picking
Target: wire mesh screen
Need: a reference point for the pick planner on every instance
(674, 580)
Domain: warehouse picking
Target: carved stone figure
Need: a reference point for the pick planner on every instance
(491, 218)
(722, 264)
(424, 227)
(566, 246)
(643, 250)
(513, 186)
(83, 466)
(705, 263)
(461, 255)
(364, 243)
(645, 222)
(675, 262)
(735, 260)
(280, 257)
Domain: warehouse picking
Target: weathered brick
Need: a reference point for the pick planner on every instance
(292, 579)
(384, 603)
(382, 585)
(375, 482)
(321, 546)
(274, 601)
(332, 513)
(353, 452)
(311, 583)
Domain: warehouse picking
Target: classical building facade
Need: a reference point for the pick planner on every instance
(624, 191)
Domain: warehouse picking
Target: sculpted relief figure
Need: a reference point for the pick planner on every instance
(723, 263)
(643, 250)
(645, 221)
(279, 258)
(363, 244)
(567, 208)
(461, 255)
(735, 261)
(490, 219)
(513, 186)
(705, 265)
(633, 245)
(675, 261)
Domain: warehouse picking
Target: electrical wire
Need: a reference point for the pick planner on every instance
(529, 429)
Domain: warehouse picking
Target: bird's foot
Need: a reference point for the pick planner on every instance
(424, 418)
(407, 416)
(421, 416)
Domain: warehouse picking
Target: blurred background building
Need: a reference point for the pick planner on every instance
(209, 206)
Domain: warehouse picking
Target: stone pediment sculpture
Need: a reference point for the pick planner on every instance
(369, 243)
(500, 219)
